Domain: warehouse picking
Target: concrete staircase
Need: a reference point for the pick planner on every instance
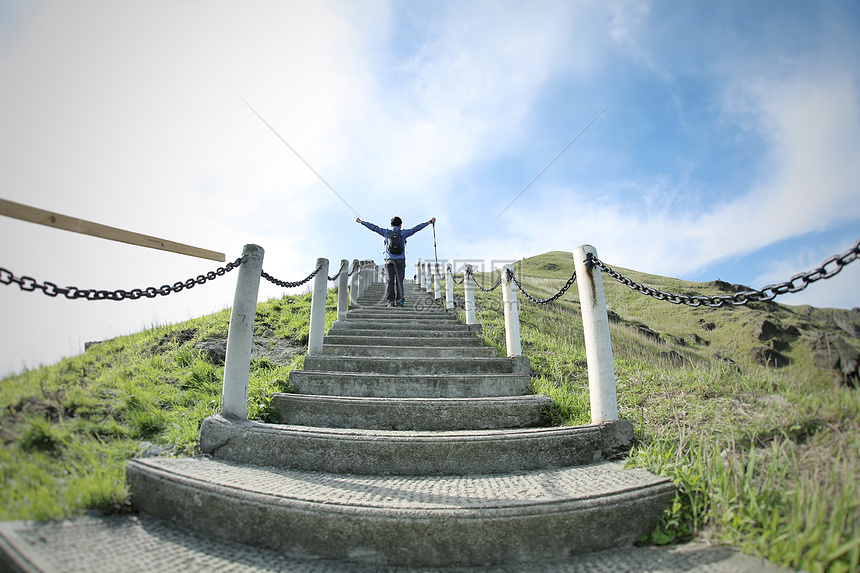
(409, 443)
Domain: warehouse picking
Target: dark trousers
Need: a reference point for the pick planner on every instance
(396, 270)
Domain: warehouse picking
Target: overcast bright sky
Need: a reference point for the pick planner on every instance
(732, 152)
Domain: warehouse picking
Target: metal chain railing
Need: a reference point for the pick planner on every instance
(71, 292)
(553, 298)
(795, 284)
(286, 284)
(355, 267)
(339, 271)
(477, 284)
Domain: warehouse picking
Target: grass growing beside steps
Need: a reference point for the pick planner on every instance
(765, 460)
(68, 429)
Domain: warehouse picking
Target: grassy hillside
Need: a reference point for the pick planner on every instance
(69, 428)
(765, 457)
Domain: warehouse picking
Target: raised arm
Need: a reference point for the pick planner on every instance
(416, 228)
(372, 227)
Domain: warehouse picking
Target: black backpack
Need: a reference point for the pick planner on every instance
(395, 243)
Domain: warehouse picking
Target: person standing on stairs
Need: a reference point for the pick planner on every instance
(395, 254)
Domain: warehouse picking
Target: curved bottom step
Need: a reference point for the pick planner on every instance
(405, 521)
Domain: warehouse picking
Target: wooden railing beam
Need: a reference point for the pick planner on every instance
(75, 225)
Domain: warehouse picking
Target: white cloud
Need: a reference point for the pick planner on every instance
(124, 113)
(840, 290)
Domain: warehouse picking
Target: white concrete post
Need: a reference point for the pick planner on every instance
(418, 272)
(240, 336)
(368, 276)
(428, 283)
(437, 283)
(469, 295)
(362, 277)
(353, 285)
(598, 344)
(449, 288)
(367, 279)
(512, 313)
(342, 288)
(317, 325)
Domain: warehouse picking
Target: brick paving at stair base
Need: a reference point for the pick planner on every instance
(142, 544)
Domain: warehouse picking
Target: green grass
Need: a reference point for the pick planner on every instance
(765, 460)
(69, 429)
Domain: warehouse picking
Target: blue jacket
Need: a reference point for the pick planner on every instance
(403, 233)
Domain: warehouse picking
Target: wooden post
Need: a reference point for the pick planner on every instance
(598, 344)
(240, 336)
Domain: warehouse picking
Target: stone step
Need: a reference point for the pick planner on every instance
(358, 350)
(349, 329)
(410, 328)
(379, 452)
(408, 286)
(409, 386)
(400, 313)
(428, 521)
(377, 293)
(374, 296)
(381, 289)
(415, 414)
(373, 338)
(404, 324)
(381, 365)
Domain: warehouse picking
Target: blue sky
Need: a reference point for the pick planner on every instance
(731, 152)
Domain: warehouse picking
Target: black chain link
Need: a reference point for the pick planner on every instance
(71, 292)
(477, 284)
(355, 267)
(286, 284)
(553, 298)
(795, 284)
(339, 271)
